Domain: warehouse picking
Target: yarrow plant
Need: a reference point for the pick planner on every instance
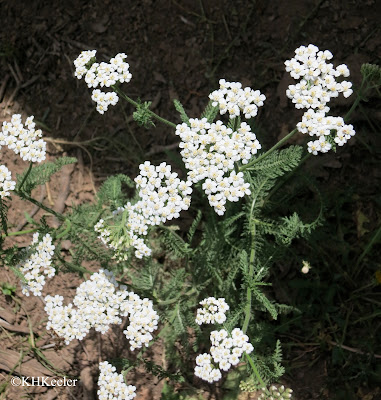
(181, 281)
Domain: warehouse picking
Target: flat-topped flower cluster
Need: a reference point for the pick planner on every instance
(162, 196)
(212, 312)
(38, 265)
(209, 152)
(143, 320)
(102, 74)
(234, 100)
(317, 124)
(111, 384)
(100, 302)
(6, 182)
(226, 350)
(23, 139)
(318, 84)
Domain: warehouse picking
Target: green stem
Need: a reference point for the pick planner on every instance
(248, 290)
(255, 370)
(19, 232)
(26, 175)
(136, 105)
(248, 295)
(276, 146)
(24, 196)
(66, 230)
(357, 101)
(75, 267)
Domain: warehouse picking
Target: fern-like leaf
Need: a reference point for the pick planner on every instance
(41, 174)
(192, 229)
(179, 107)
(210, 112)
(264, 301)
(174, 243)
(3, 217)
(279, 162)
(111, 190)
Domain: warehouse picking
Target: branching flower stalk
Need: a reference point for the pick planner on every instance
(136, 105)
(224, 162)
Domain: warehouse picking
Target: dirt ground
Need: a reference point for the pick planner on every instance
(176, 50)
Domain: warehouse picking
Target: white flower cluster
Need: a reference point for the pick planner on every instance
(38, 265)
(231, 98)
(317, 124)
(162, 197)
(226, 350)
(213, 311)
(103, 75)
(111, 384)
(209, 152)
(205, 370)
(104, 100)
(143, 320)
(83, 61)
(23, 140)
(98, 304)
(6, 183)
(317, 78)
(317, 86)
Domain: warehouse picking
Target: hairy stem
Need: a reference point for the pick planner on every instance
(19, 232)
(255, 370)
(248, 290)
(251, 269)
(357, 101)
